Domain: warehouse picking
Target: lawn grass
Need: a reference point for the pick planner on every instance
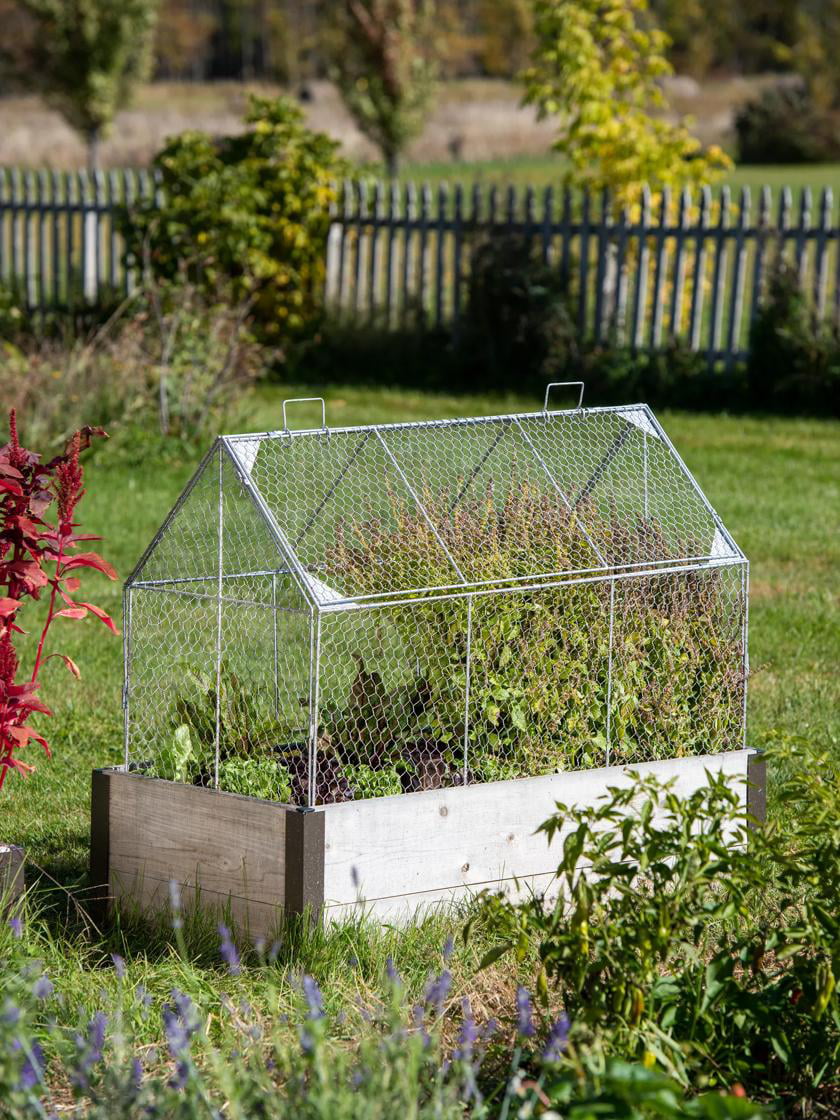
(774, 481)
(776, 484)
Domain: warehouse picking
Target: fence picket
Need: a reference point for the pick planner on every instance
(583, 264)
(373, 252)
(820, 257)
(619, 325)
(640, 293)
(457, 246)
(423, 264)
(546, 226)
(761, 234)
(393, 209)
(678, 289)
(659, 276)
(41, 220)
(697, 288)
(801, 234)
(603, 270)
(439, 251)
(410, 211)
(737, 302)
(719, 274)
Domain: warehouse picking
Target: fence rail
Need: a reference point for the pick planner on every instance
(688, 267)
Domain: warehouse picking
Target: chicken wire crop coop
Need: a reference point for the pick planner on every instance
(335, 614)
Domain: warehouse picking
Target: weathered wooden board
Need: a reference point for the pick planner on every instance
(233, 848)
(393, 855)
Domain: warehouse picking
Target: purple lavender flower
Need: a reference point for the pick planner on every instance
(43, 988)
(558, 1037)
(179, 1078)
(228, 950)
(524, 1013)
(90, 1048)
(467, 1036)
(175, 904)
(119, 965)
(16, 926)
(179, 1024)
(437, 990)
(96, 1034)
(11, 1013)
(313, 997)
(32, 1071)
(448, 948)
(391, 971)
(136, 1073)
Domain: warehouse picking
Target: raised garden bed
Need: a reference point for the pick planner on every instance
(388, 856)
(397, 637)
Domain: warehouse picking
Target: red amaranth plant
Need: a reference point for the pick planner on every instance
(38, 555)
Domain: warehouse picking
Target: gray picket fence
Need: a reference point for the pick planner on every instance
(60, 242)
(688, 267)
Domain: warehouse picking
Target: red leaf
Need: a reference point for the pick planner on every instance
(12, 487)
(8, 606)
(71, 612)
(69, 662)
(72, 583)
(8, 470)
(102, 616)
(91, 560)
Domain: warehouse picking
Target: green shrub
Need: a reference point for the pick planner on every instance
(794, 357)
(250, 210)
(517, 320)
(695, 939)
(785, 125)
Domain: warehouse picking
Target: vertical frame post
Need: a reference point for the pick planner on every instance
(645, 462)
(467, 688)
(314, 701)
(609, 673)
(126, 670)
(745, 640)
(220, 588)
(274, 636)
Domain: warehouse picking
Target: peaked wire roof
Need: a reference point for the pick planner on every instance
(386, 511)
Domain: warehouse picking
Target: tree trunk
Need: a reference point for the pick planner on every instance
(93, 149)
(392, 163)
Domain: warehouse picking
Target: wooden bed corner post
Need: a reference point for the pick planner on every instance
(305, 862)
(100, 826)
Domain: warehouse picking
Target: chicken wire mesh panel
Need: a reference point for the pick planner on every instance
(679, 665)
(539, 681)
(391, 700)
(334, 495)
(636, 502)
(171, 635)
(187, 545)
(494, 504)
(219, 689)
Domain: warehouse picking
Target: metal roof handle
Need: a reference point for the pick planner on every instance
(305, 400)
(562, 385)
